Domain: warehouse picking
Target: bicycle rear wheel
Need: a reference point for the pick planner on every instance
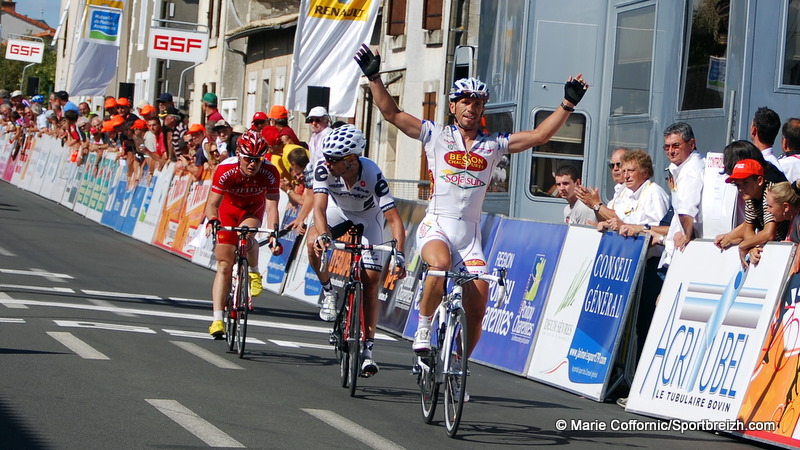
(340, 340)
(242, 306)
(354, 337)
(455, 375)
(428, 387)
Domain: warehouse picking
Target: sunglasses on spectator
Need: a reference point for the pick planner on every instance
(259, 122)
(315, 119)
(612, 165)
(333, 159)
(252, 159)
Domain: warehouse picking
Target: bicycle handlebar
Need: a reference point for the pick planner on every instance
(354, 248)
(464, 277)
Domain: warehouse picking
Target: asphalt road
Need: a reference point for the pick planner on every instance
(104, 345)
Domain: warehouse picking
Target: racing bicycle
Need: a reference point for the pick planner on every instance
(348, 334)
(444, 365)
(239, 302)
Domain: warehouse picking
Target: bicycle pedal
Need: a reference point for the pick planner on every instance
(416, 369)
(219, 337)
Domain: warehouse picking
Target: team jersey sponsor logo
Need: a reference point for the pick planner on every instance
(474, 262)
(463, 179)
(464, 160)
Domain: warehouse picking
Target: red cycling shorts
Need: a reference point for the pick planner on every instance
(231, 215)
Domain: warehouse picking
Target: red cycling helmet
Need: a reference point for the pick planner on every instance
(252, 143)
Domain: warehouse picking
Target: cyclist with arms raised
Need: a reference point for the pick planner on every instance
(460, 159)
(350, 190)
(243, 188)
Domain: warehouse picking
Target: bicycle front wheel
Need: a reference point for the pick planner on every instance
(242, 306)
(428, 387)
(455, 374)
(340, 338)
(354, 337)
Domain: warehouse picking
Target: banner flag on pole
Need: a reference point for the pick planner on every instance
(97, 49)
(329, 32)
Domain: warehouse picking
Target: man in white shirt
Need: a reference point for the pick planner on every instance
(763, 131)
(790, 142)
(576, 212)
(591, 196)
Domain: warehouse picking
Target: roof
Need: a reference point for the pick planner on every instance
(46, 29)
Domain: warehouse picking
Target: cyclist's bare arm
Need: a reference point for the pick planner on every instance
(405, 122)
(212, 207)
(320, 219)
(396, 226)
(272, 210)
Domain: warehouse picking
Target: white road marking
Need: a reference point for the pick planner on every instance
(4, 296)
(105, 303)
(199, 317)
(61, 290)
(194, 424)
(201, 335)
(10, 320)
(207, 356)
(103, 326)
(35, 272)
(83, 349)
(5, 252)
(121, 294)
(190, 300)
(352, 429)
(49, 276)
(292, 344)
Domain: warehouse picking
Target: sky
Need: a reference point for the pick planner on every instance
(33, 9)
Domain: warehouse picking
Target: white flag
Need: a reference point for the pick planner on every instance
(97, 49)
(329, 32)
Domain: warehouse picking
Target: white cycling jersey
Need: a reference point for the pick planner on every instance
(459, 176)
(370, 191)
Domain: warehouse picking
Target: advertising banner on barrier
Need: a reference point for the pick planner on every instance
(139, 201)
(167, 227)
(395, 297)
(586, 311)
(194, 212)
(86, 185)
(773, 386)
(5, 152)
(146, 222)
(111, 214)
(509, 328)
(301, 281)
(274, 267)
(707, 332)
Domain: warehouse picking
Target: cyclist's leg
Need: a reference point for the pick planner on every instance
(252, 253)
(222, 285)
(435, 251)
(369, 300)
(476, 292)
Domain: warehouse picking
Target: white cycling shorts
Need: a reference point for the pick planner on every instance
(462, 238)
(373, 222)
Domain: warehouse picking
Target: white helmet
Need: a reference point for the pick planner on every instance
(469, 87)
(343, 141)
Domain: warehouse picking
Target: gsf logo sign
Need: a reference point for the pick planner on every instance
(23, 50)
(176, 43)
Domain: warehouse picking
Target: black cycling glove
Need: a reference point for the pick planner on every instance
(574, 90)
(369, 62)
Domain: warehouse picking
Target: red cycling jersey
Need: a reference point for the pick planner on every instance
(242, 196)
(243, 191)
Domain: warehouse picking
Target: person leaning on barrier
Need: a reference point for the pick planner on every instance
(783, 202)
(296, 187)
(760, 225)
(591, 196)
(450, 233)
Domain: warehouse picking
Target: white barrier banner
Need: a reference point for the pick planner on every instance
(707, 331)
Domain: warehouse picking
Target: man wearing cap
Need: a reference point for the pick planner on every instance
(259, 121)
(223, 131)
(147, 112)
(110, 106)
(166, 105)
(320, 129)
(279, 118)
(195, 136)
(759, 226)
(210, 108)
(18, 99)
(173, 123)
(124, 110)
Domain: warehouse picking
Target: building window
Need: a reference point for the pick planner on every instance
(791, 50)
(633, 61)
(397, 18)
(432, 15)
(565, 147)
(503, 122)
(705, 55)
